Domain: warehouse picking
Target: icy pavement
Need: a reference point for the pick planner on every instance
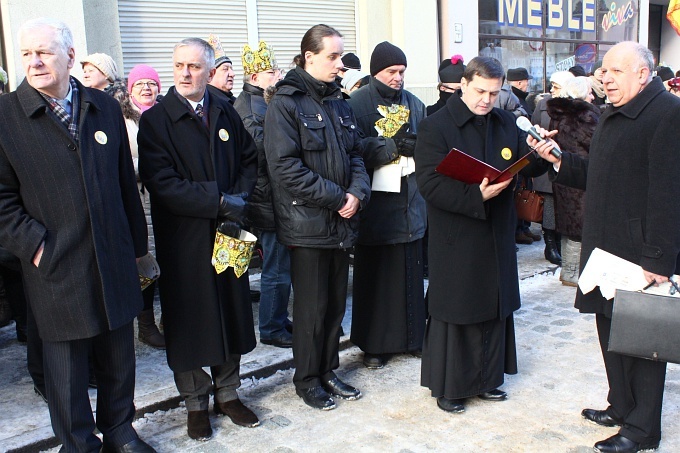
(560, 366)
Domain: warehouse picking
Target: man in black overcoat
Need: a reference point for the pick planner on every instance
(632, 210)
(470, 341)
(70, 211)
(200, 165)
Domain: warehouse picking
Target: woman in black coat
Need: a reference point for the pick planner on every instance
(576, 118)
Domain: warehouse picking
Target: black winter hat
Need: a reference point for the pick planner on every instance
(578, 71)
(385, 55)
(451, 70)
(664, 72)
(516, 74)
(351, 61)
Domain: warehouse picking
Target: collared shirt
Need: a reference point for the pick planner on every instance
(191, 105)
(63, 108)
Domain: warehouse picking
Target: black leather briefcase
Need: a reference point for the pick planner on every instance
(646, 325)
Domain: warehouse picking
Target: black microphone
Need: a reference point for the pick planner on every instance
(524, 124)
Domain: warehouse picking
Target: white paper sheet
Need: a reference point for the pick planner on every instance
(611, 272)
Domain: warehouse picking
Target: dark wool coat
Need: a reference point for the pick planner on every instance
(632, 187)
(390, 217)
(576, 121)
(314, 155)
(472, 257)
(185, 167)
(82, 200)
(251, 107)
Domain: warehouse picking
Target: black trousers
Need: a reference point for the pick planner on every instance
(635, 390)
(66, 379)
(319, 279)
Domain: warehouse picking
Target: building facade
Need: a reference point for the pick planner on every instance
(541, 35)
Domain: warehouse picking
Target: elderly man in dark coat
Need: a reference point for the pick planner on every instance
(473, 292)
(70, 211)
(199, 164)
(388, 311)
(632, 210)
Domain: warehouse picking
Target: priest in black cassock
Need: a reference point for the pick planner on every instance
(469, 342)
(388, 309)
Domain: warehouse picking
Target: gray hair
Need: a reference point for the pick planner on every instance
(576, 88)
(645, 58)
(63, 35)
(208, 51)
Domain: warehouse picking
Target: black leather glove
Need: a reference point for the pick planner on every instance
(229, 228)
(233, 207)
(405, 141)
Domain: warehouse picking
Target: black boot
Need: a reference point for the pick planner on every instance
(551, 252)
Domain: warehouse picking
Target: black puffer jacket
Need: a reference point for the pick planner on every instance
(391, 217)
(252, 108)
(313, 151)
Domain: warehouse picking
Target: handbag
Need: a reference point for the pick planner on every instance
(529, 205)
(646, 325)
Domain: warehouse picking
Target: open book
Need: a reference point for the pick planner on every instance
(465, 168)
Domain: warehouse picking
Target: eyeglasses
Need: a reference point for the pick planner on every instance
(139, 85)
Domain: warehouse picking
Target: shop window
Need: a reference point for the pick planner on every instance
(549, 35)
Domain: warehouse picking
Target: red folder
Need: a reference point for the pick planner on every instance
(465, 168)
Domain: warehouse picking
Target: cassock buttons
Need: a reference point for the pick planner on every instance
(71, 146)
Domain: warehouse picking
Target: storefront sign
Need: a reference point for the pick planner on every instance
(617, 16)
(528, 13)
(565, 64)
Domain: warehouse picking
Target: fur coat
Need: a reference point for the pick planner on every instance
(576, 121)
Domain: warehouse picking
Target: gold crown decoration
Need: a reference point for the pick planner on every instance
(233, 252)
(215, 43)
(258, 61)
(148, 270)
(394, 117)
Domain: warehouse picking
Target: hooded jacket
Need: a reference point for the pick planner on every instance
(313, 151)
(251, 107)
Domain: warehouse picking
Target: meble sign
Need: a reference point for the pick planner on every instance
(559, 12)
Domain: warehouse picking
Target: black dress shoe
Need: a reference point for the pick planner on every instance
(237, 412)
(136, 446)
(198, 425)
(600, 417)
(316, 397)
(374, 361)
(493, 395)
(455, 406)
(285, 340)
(621, 444)
(341, 390)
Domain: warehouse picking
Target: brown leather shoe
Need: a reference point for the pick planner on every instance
(198, 425)
(237, 412)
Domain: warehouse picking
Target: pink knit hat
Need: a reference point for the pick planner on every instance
(142, 71)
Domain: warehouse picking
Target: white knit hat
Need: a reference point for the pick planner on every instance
(351, 77)
(104, 63)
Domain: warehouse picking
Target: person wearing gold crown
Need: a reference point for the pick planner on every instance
(319, 184)
(200, 166)
(223, 79)
(388, 311)
(262, 72)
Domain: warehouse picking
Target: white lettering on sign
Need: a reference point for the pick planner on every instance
(529, 13)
